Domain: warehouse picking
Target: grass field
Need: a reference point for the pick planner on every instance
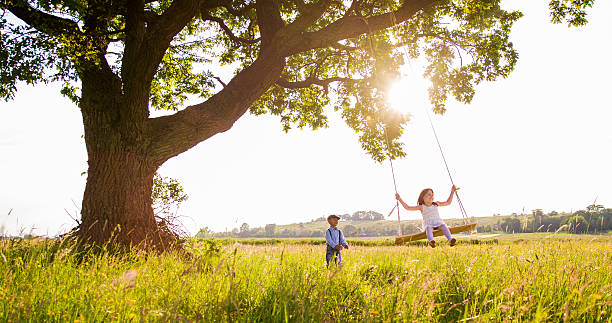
(532, 278)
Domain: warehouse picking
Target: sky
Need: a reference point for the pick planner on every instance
(538, 139)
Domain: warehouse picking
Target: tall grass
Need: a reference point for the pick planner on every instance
(533, 280)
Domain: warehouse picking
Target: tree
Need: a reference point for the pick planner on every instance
(270, 230)
(244, 229)
(364, 216)
(577, 223)
(350, 230)
(537, 219)
(118, 59)
(511, 225)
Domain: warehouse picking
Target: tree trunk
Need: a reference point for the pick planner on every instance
(117, 204)
(125, 148)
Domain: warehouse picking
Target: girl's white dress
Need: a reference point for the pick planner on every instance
(431, 217)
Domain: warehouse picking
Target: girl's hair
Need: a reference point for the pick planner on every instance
(422, 196)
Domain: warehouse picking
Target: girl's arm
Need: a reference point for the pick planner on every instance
(406, 206)
(450, 197)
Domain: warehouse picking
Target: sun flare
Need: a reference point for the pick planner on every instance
(408, 94)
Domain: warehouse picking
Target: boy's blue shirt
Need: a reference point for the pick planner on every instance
(334, 237)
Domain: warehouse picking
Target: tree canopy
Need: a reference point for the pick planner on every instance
(351, 44)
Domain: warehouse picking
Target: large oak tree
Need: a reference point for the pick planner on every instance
(118, 59)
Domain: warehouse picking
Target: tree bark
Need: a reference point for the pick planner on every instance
(117, 201)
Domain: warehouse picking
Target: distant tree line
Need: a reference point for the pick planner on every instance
(595, 219)
(301, 231)
(357, 216)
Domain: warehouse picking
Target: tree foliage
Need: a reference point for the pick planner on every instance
(168, 194)
(572, 12)
(464, 42)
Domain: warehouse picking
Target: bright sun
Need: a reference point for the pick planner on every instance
(408, 94)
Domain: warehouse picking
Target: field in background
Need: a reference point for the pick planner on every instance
(470, 239)
(535, 277)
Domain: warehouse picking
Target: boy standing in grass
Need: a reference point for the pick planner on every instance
(334, 241)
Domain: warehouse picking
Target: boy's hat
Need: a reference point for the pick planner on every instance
(333, 216)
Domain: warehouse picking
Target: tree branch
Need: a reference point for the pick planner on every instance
(344, 47)
(41, 21)
(238, 12)
(227, 4)
(172, 135)
(353, 8)
(269, 20)
(310, 14)
(309, 81)
(161, 31)
(353, 26)
(145, 46)
(220, 81)
(150, 17)
(227, 30)
(301, 6)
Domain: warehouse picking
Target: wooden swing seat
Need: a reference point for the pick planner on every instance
(421, 235)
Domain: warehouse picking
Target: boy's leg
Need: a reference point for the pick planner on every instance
(339, 258)
(329, 254)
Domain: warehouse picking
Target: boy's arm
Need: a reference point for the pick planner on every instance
(328, 238)
(343, 241)
(406, 206)
(450, 197)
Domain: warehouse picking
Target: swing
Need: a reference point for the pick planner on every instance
(421, 235)
(466, 227)
(400, 239)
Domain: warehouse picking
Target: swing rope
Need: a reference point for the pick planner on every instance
(462, 209)
(399, 223)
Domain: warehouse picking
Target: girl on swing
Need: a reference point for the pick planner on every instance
(429, 210)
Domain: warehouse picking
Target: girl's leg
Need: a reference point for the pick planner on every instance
(429, 232)
(446, 231)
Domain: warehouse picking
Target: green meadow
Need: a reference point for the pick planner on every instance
(529, 278)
